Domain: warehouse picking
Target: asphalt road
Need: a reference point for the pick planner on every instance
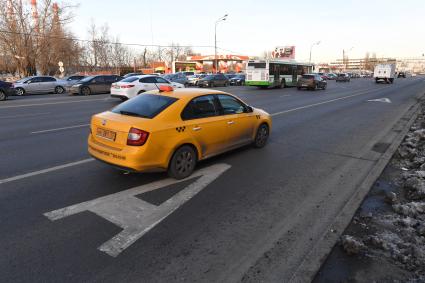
(255, 221)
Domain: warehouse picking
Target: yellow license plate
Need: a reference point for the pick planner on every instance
(106, 134)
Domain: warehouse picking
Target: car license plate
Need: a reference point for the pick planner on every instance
(106, 134)
(305, 85)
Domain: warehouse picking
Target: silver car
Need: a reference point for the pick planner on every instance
(37, 84)
(67, 82)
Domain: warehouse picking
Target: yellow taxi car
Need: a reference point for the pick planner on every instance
(174, 129)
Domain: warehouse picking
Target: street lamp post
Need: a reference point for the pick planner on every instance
(311, 48)
(215, 41)
(343, 57)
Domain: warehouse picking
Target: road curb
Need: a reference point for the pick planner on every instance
(318, 254)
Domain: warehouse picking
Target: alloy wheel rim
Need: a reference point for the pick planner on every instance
(184, 162)
(262, 135)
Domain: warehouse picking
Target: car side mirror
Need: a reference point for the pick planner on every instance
(249, 109)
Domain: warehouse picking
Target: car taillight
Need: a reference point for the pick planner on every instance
(137, 137)
(127, 86)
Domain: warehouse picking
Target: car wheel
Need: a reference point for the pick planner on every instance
(20, 91)
(324, 86)
(226, 84)
(2, 95)
(85, 91)
(182, 163)
(59, 90)
(262, 136)
(242, 83)
(140, 92)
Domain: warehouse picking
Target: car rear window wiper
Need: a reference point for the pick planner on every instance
(128, 113)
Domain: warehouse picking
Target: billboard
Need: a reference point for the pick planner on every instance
(284, 52)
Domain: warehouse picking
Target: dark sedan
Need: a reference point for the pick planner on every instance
(95, 84)
(238, 80)
(312, 81)
(342, 77)
(214, 80)
(6, 89)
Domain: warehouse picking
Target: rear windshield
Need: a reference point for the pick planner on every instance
(129, 79)
(145, 105)
(308, 77)
(341, 75)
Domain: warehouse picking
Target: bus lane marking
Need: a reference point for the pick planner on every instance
(135, 216)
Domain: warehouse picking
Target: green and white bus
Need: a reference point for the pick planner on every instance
(274, 73)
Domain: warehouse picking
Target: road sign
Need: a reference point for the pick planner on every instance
(60, 64)
(61, 69)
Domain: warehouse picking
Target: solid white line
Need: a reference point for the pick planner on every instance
(24, 115)
(60, 129)
(52, 103)
(44, 171)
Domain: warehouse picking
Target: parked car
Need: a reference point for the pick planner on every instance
(343, 77)
(6, 89)
(311, 81)
(132, 75)
(67, 82)
(133, 86)
(95, 84)
(188, 73)
(239, 79)
(214, 80)
(37, 84)
(177, 78)
(323, 75)
(332, 76)
(193, 80)
(401, 75)
(229, 76)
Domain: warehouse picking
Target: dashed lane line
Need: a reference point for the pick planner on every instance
(44, 171)
(53, 103)
(60, 129)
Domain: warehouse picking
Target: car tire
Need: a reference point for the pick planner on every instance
(261, 136)
(20, 91)
(242, 83)
(324, 87)
(140, 92)
(183, 162)
(226, 84)
(2, 95)
(59, 90)
(86, 91)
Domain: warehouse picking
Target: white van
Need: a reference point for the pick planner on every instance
(384, 72)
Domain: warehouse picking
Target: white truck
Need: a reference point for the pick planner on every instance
(384, 72)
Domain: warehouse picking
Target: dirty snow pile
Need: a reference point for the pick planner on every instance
(398, 234)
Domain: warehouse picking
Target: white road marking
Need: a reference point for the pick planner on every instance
(24, 115)
(134, 215)
(44, 171)
(60, 129)
(317, 104)
(52, 103)
(385, 100)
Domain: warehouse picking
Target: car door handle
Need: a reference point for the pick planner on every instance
(230, 122)
(197, 128)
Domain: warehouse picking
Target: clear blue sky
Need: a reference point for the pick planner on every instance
(387, 27)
